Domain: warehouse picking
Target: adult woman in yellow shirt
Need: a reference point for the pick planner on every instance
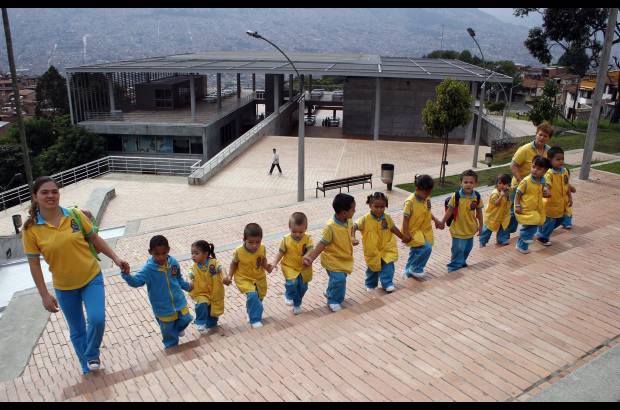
(52, 232)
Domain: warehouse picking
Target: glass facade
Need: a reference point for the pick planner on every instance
(153, 144)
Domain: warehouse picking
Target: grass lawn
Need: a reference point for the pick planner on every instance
(485, 177)
(613, 167)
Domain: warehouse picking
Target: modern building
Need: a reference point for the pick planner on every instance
(164, 106)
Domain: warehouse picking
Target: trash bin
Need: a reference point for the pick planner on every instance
(387, 175)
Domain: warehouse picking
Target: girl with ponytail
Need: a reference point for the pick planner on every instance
(207, 285)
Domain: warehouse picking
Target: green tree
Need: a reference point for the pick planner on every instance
(451, 109)
(12, 162)
(51, 92)
(75, 146)
(545, 109)
(40, 134)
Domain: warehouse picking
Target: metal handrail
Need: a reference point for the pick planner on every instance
(105, 165)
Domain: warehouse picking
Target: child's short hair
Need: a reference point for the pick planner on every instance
(158, 240)
(375, 196)
(546, 128)
(553, 151)
(252, 230)
(342, 202)
(297, 219)
(205, 247)
(541, 162)
(424, 182)
(504, 179)
(469, 173)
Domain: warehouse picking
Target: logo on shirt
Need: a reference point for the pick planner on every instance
(212, 270)
(428, 205)
(259, 262)
(74, 226)
(173, 271)
(384, 224)
(473, 205)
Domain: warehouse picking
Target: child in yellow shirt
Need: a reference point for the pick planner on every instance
(497, 214)
(558, 206)
(465, 208)
(529, 208)
(380, 250)
(207, 292)
(293, 248)
(417, 229)
(336, 250)
(248, 269)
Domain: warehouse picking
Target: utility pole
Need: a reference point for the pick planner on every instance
(18, 105)
(588, 148)
(441, 46)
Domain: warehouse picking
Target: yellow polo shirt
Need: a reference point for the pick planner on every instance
(532, 206)
(419, 212)
(497, 215)
(292, 261)
(250, 274)
(378, 240)
(465, 225)
(338, 253)
(558, 182)
(523, 159)
(208, 285)
(64, 248)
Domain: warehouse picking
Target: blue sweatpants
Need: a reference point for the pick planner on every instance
(545, 230)
(460, 251)
(254, 307)
(418, 257)
(568, 221)
(336, 287)
(386, 276)
(170, 330)
(514, 224)
(526, 236)
(203, 315)
(86, 336)
(295, 290)
(503, 235)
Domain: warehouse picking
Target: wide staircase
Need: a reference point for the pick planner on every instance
(497, 330)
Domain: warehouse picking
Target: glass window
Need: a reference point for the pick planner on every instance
(180, 145)
(147, 143)
(130, 143)
(164, 144)
(114, 143)
(196, 145)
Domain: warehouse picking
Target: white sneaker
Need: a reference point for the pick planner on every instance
(369, 289)
(335, 307)
(297, 310)
(528, 241)
(390, 289)
(524, 251)
(256, 324)
(182, 333)
(289, 302)
(94, 365)
(201, 328)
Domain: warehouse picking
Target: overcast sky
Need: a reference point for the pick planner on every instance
(534, 19)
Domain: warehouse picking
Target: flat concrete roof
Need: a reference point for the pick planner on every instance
(318, 64)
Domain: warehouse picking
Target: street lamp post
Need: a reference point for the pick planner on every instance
(301, 129)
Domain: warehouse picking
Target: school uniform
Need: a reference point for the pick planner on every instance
(463, 228)
(496, 219)
(251, 279)
(296, 275)
(532, 209)
(380, 251)
(164, 286)
(76, 278)
(337, 258)
(421, 231)
(208, 292)
(556, 206)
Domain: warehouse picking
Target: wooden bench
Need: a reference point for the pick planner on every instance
(343, 182)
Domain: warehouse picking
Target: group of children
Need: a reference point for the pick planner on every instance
(540, 201)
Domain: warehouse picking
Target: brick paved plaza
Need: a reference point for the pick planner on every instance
(502, 329)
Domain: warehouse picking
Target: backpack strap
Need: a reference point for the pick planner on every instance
(455, 210)
(76, 217)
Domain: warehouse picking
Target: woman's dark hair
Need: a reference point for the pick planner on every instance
(503, 178)
(252, 230)
(424, 182)
(32, 210)
(553, 151)
(158, 240)
(377, 196)
(205, 247)
(541, 162)
(469, 173)
(342, 202)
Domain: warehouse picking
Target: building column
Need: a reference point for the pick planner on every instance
(238, 85)
(310, 82)
(205, 156)
(111, 91)
(375, 134)
(192, 96)
(290, 87)
(276, 93)
(205, 88)
(253, 82)
(219, 91)
(69, 82)
(469, 135)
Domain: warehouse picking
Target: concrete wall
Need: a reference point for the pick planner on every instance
(212, 131)
(269, 92)
(12, 243)
(402, 101)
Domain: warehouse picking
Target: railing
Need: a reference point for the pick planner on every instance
(199, 172)
(140, 165)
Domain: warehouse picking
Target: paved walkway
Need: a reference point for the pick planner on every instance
(518, 128)
(499, 330)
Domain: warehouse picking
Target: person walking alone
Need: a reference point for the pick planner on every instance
(275, 162)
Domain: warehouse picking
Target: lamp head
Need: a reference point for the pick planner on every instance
(471, 31)
(253, 33)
